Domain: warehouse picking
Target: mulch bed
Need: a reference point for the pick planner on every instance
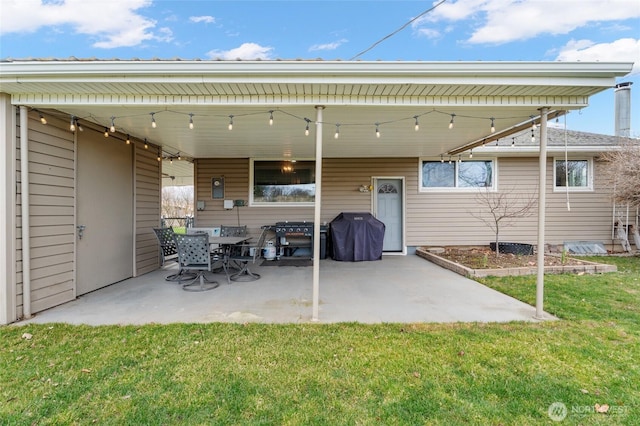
(484, 258)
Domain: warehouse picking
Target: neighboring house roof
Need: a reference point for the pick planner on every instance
(520, 143)
(358, 98)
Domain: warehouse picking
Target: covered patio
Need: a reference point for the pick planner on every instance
(85, 141)
(400, 289)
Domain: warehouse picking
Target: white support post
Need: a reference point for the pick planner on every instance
(8, 146)
(26, 222)
(316, 216)
(542, 191)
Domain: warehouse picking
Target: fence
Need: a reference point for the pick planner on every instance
(177, 222)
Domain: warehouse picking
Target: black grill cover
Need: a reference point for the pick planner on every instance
(356, 237)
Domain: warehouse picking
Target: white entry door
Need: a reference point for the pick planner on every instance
(389, 210)
(105, 212)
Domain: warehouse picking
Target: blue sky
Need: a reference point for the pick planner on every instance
(456, 30)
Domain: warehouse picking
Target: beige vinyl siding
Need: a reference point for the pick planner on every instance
(147, 208)
(431, 218)
(52, 208)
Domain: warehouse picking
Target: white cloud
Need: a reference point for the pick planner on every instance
(115, 23)
(328, 46)
(502, 21)
(623, 50)
(429, 33)
(247, 51)
(205, 19)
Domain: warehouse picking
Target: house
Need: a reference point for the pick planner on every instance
(83, 143)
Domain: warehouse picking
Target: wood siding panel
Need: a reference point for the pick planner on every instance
(147, 209)
(52, 213)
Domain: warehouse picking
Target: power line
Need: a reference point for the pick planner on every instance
(397, 31)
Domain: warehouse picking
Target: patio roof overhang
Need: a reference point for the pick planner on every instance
(356, 95)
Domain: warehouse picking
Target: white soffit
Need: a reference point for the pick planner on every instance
(355, 94)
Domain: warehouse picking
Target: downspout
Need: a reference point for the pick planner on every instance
(24, 198)
(542, 201)
(316, 216)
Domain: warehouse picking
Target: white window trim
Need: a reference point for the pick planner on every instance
(252, 203)
(456, 189)
(588, 188)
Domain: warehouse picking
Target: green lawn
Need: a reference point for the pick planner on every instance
(390, 374)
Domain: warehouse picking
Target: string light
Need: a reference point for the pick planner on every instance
(417, 125)
(153, 120)
(271, 118)
(79, 126)
(306, 129)
(112, 129)
(128, 141)
(190, 121)
(533, 122)
(449, 159)
(179, 157)
(451, 122)
(42, 119)
(459, 158)
(72, 125)
(441, 158)
(493, 127)
(146, 145)
(231, 122)
(337, 133)
(533, 136)
(377, 130)
(106, 132)
(471, 153)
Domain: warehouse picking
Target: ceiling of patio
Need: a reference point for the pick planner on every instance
(354, 95)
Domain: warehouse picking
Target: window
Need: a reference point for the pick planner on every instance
(574, 173)
(283, 182)
(457, 174)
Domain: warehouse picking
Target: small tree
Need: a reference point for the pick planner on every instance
(623, 171)
(177, 201)
(501, 209)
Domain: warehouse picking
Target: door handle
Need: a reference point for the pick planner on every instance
(81, 229)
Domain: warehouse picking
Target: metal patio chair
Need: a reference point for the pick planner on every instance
(169, 252)
(248, 253)
(194, 255)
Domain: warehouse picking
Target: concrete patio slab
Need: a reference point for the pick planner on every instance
(399, 289)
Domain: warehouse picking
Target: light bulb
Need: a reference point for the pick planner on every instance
(106, 132)
(112, 129)
(153, 120)
(337, 134)
(306, 129)
(72, 125)
(377, 131)
(231, 122)
(441, 158)
(128, 141)
(451, 122)
(533, 137)
(146, 145)
(417, 126)
(471, 154)
(270, 118)
(493, 127)
(179, 157)
(42, 119)
(191, 121)
(513, 142)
